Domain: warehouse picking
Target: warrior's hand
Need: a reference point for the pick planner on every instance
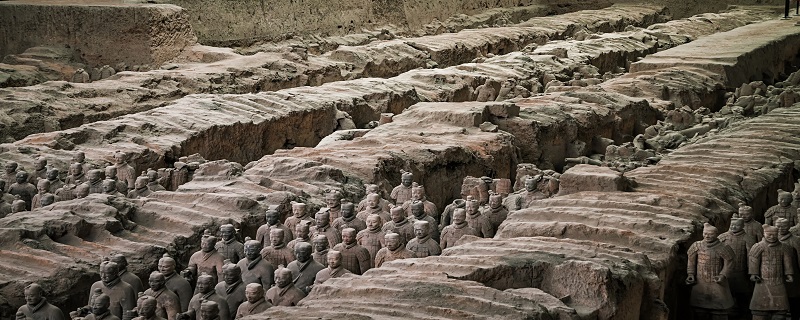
(789, 278)
(690, 280)
(720, 278)
(755, 278)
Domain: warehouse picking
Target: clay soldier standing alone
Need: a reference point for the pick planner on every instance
(708, 269)
(770, 267)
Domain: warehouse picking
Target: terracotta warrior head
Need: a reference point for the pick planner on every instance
(252, 249)
(254, 292)
(406, 178)
(334, 259)
(393, 241)
(302, 252)
(710, 233)
(298, 209)
(157, 281)
(321, 243)
(745, 212)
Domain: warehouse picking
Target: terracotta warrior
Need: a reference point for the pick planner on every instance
(284, 293)
(10, 174)
(372, 238)
(418, 214)
(400, 224)
(111, 174)
(277, 254)
(147, 309)
(205, 291)
(447, 214)
(174, 282)
(95, 181)
(402, 193)
(273, 222)
(47, 199)
(323, 226)
(230, 248)
(153, 182)
(254, 268)
(524, 199)
(321, 248)
(304, 269)
(110, 188)
(751, 226)
(486, 91)
(5, 207)
(100, 309)
(382, 203)
(209, 310)
(302, 233)
(394, 250)
(418, 195)
(738, 279)
(167, 303)
(333, 201)
(55, 181)
(208, 260)
(80, 159)
(478, 221)
(43, 187)
(708, 268)
(140, 189)
(126, 275)
(76, 174)
(231, 288)
(123, 297)
(783, 209)
(125, 172)
(299, 213)
(770, 267)
(348, 218)
(36, 306)
(335, 268)
(39, 171)
(373, 206)
(256, 301)
(793, 242)
(67, 192)
(422, 245)
(495, 210)
(455, 231)
(24, 189)
(355, 258)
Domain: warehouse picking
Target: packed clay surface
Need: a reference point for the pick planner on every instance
(538, 160)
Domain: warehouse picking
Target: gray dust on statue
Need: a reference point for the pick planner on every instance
(284, 293)
(708, 269)
(740, 242)
(256, 301)
(770, 267)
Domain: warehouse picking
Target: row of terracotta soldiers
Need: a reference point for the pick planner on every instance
(43, 185)
(749, 269)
